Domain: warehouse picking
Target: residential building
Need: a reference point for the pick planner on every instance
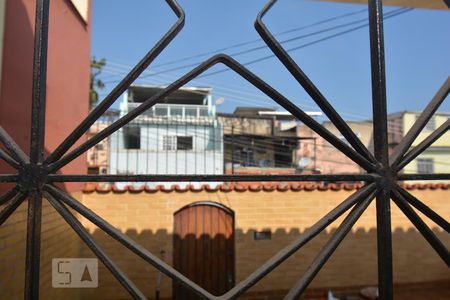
(67, 101)
(98, 156)
(319, 156)
(259, 140)
(67, 91)
(436, 158)
(180, 135)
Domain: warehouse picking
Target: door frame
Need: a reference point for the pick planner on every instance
(233, 222)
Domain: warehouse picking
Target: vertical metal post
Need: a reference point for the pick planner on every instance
(384, 236)
(37, 142)
(315, 155)
(232, 148)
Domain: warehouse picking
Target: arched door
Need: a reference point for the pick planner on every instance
(204, 248)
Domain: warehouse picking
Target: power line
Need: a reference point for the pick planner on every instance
(310, 43)
(241, 44)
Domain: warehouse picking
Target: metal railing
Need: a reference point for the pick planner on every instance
(176, 111)
(37, 174)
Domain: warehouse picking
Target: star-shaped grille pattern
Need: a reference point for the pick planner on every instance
(37, 175)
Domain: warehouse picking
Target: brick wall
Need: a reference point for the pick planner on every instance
(148, 218)
(58, 240)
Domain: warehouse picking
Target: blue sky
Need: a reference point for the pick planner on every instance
(417, 47)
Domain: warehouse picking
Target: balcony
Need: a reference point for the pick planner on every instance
(175, 112)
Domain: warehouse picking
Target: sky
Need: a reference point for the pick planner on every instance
(417, 44)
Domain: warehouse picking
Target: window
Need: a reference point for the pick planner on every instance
(425, 166)
(190, 112)
(171, 143)
(431, 125)
(184, 143)
(176, 111)
(99, 147)
(132, 137)
(161, 111)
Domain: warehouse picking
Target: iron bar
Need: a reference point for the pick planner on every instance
(39, 82)
(422, 146)
(427, 211)
(308, 85)
(5, 197)
(328, 249)
(11, 206)
(37, 148)
(442, 176)
(12, 147)
(127, 242)
(123, 85)
(8, 159)
(427, 233)
(420, 123)
(367, 191)
(33, 250)
(246, 74)
(380, 134)
(207, 178)
(9, 178)
(98, 251)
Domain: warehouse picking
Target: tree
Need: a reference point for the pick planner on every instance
(96, 83)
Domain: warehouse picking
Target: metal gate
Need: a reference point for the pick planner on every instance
(37, 174)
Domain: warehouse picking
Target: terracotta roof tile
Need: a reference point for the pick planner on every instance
(254, 187)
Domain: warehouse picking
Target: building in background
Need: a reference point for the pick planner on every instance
(180, 135)
(436, 158)
(260, 140)
(68, 69)
(319, 156)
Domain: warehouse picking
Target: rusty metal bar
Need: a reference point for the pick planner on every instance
(427, 233)
(127, 242)
(427, 211)
(131, 288)
(8, 159)
(11, 206)
(420, 123)
(308, 85)
(12, 147)
(380, 136)
(5, 197)
(326, 252)
(206, 178)
(426, 143)
(247, 75)
(365, 192)
(37, 148)
(123, 85)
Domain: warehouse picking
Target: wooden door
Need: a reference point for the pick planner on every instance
(204, 248)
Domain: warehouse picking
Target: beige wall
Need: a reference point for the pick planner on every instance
(58, 241)
(148, 218)
(286, 212)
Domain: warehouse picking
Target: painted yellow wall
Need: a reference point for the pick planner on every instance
(441, 157)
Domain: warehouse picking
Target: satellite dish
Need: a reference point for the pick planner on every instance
(220, 101)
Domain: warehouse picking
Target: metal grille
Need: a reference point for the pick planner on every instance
(37, 174)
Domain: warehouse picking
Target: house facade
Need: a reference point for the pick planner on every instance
(180, 136)
(436, 158)
(318, 156)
